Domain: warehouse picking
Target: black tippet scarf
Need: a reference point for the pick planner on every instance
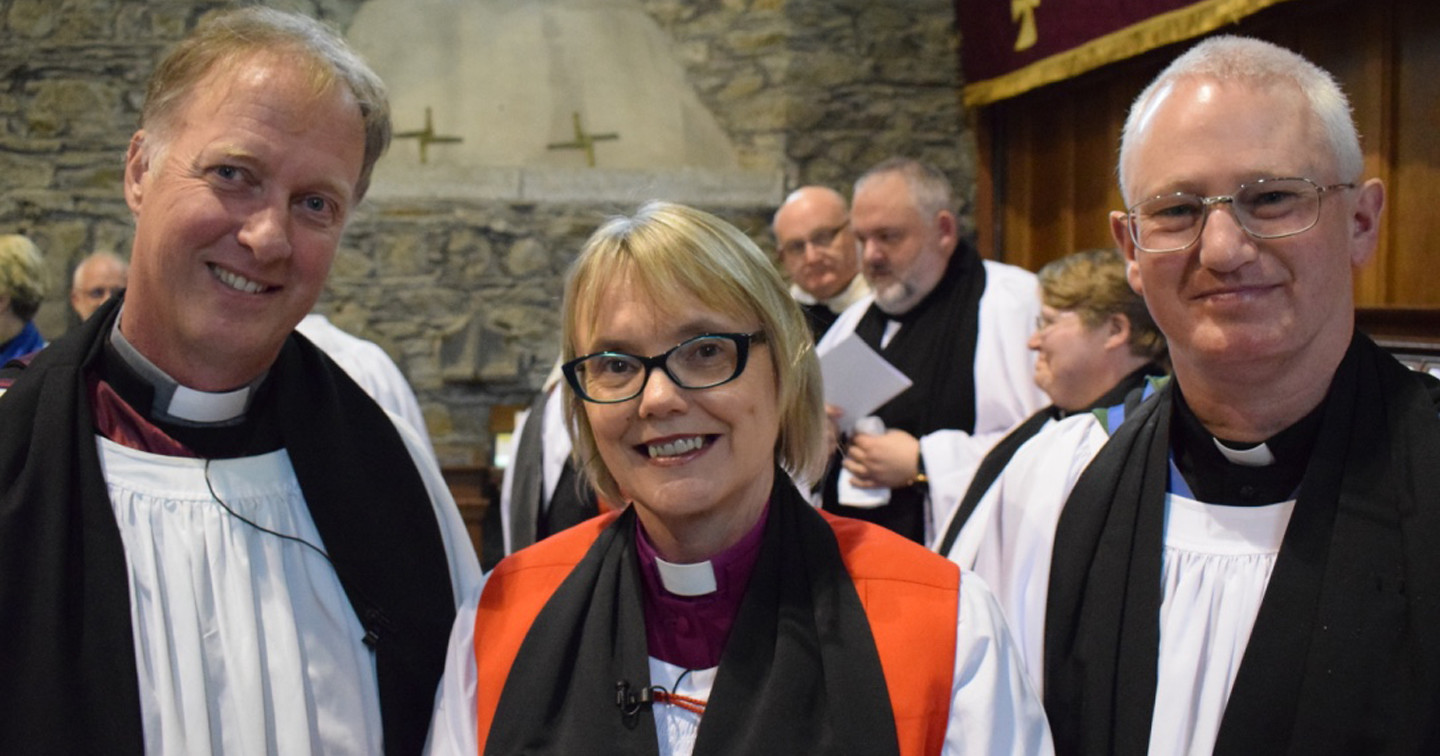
(68, 675)
(1000, 455)
(1344, 657)
(819, 317)
(935, 348)
(799, 675)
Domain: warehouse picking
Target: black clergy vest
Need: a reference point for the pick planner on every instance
(935, 348)
(532, 518)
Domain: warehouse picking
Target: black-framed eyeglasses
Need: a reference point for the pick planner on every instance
(1266, 209)
(702, 362)
(820, 239)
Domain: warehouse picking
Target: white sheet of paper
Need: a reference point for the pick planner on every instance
(858, 380)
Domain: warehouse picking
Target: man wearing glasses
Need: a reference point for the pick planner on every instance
(98, 277)
(1247, 564)
(815, 243)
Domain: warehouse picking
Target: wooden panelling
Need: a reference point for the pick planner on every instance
(474, 490)
(1047, 181)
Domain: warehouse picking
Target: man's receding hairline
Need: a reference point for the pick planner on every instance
(1156, 99)
(812, 192)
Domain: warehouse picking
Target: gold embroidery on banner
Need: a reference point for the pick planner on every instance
(1023, 11)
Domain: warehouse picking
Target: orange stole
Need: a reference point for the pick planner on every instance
(910, 595)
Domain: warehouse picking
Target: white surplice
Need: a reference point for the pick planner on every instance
(993, 710)
(1216, 563)
(245, 642)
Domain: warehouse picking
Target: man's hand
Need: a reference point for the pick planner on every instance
(887, 460)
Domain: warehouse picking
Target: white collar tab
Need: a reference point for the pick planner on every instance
(174, 402)
(696, 579)
(1256, 456)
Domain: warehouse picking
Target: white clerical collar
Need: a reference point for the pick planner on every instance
(852, 293)
(1256, 456)
(174, 402)
(802, 296)
(696, 579)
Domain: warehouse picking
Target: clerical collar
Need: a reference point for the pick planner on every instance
(690, 608)
(1220, 471)
(687, 579)
(852, 293)
(174, 403)
(1258, 455)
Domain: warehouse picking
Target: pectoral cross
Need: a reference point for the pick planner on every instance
(427, 137)
(583, 141)
(1023, 11)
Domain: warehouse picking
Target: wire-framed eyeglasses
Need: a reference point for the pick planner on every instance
(1266, 209)
(701, 362)
(820, 239)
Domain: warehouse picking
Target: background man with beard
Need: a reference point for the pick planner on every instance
(955, 324)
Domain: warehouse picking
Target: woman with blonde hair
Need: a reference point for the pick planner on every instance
(718, 612)
(22, 289)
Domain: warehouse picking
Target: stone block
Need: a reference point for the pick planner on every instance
(33, 19)
(527, 256)
(21, 170)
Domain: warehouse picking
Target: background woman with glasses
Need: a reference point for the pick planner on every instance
(1095, 346)
(718, 612)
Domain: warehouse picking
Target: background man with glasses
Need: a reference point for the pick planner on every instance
(1247, 564)
(815, 243)
(98, 277)
(954, 323)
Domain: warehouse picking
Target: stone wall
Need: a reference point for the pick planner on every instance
(828, 87)
(464, 294)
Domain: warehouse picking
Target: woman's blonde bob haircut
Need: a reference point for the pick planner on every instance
(680, 258)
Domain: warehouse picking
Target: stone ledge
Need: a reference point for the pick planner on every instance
(710, 188)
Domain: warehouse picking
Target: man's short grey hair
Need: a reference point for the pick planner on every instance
(930, 188)
(1253, 61)
(231, 36)
(92, 258)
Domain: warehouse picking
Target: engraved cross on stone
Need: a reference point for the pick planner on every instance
(427, 137)
(583, 141)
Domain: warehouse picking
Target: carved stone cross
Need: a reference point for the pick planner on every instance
(427, 137)
(583, 141)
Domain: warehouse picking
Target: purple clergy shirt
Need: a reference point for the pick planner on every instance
(690, 631)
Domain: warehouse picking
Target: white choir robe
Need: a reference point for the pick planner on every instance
(1005, 390)
(368, 365)
(245, 642)
(973, 532)
(992, 709)
(1216, 563)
